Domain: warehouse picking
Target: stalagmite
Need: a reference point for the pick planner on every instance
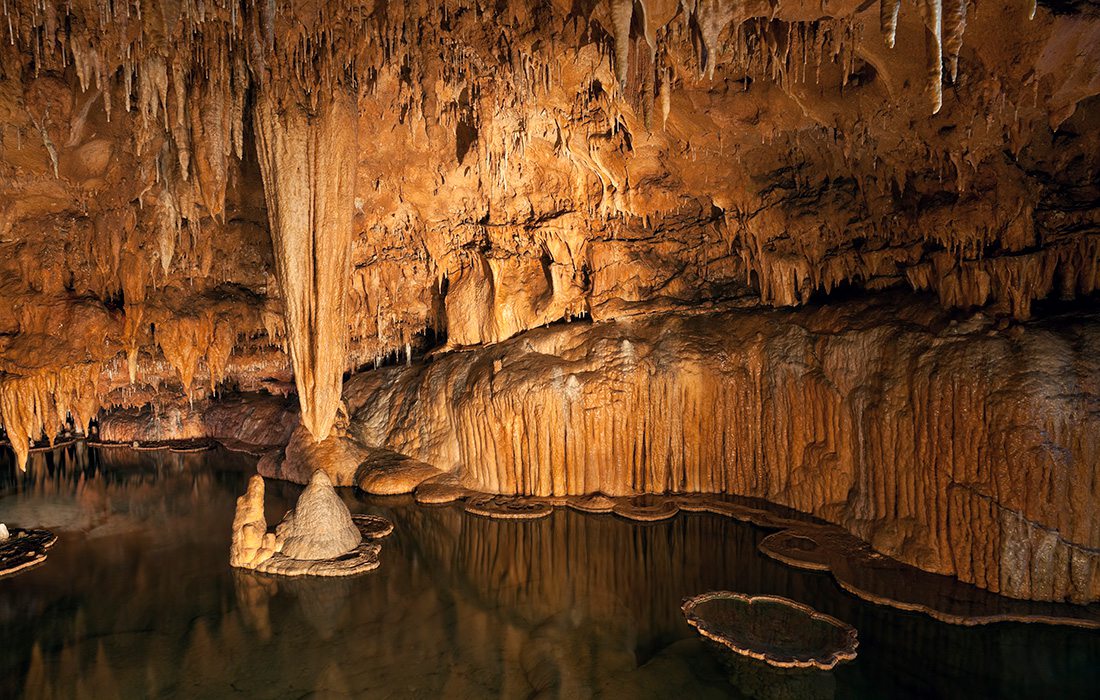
(252, 544)
(308, 163)
(156, 275)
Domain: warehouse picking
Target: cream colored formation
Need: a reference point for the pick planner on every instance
(319, 537)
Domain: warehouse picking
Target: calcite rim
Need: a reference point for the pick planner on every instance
(24, 549)
(373, 527)
(596, 503)
(631, 509)
(825, 661)
(179, 446)
(761, 514)
(507, 507)
(360, 560)
(441, 489)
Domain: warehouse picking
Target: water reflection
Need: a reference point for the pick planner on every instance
(137, 599)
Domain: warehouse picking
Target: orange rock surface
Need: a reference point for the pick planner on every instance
(949, 444)
(218, 199)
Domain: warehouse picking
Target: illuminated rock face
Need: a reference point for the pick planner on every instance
(954, 446)
(264, 197)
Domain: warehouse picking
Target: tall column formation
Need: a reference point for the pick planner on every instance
(307, 161)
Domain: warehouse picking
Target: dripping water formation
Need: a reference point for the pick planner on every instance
(617, 347)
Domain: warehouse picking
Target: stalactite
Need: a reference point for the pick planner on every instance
(308, 163)
(664, 95)
(954, 24)
(712, 17)
(622, 11)
(888, 20)
(40, 403)
(932, 13)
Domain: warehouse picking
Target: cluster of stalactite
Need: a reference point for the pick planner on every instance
(157, 126)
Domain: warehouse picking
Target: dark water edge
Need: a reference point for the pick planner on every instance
(137, 600)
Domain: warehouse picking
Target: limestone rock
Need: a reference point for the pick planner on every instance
(387, 473)
(339, 456)
(252, 544)
(320, 525)
(440, 489)
(24, 550)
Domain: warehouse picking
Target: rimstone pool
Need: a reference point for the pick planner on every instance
(137, 599)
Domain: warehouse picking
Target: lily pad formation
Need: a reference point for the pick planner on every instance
(773, 629)
(507, 508)
(21, 550)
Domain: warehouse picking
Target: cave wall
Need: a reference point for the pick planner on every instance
(962, 447)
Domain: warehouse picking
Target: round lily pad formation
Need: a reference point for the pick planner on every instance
(646, 509)
(24, 549)
(778, 631)
(372, 527)
(592, 503)
(507, 507)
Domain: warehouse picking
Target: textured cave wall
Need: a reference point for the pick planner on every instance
(959, 447)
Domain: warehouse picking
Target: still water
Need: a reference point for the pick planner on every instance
(137, 600)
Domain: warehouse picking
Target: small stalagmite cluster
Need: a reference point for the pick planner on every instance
(318, 537)
(219, 218)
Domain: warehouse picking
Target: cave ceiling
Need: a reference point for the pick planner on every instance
(202, 194)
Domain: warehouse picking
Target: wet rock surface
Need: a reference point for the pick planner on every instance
(931, 437)
(21, 549)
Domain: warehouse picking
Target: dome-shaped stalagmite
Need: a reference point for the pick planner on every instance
(320, 526)
(318, 537)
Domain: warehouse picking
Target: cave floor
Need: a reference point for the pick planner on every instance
(137, 599)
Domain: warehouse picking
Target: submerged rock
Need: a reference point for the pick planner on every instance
(319, 527)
